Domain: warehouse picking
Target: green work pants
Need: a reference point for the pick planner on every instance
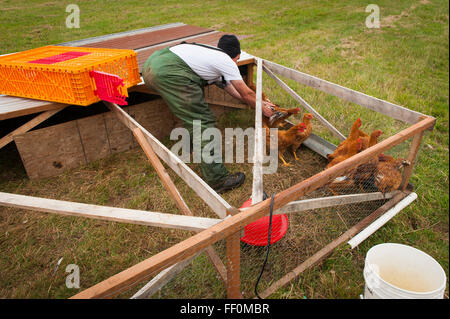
(182, 90)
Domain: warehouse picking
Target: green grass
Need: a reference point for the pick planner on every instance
(404, 62)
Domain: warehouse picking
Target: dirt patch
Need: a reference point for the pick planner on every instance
(389, 21)
(349, 48)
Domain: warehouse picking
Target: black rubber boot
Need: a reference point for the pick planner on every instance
(229, 182)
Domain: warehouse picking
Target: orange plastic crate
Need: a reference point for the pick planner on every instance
(61, 74)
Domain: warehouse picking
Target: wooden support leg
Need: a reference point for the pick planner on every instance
(173, 191)
(162, 173)
(234, 266)
(250, 74)
(412, 157)
(257, 186)
(28, 126)
(210, 197)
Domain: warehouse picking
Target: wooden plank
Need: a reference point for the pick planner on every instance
(257, 186)
(149, 38)
(412, 158)
(166, 275)
(211, 38)
(168, 184)
(123, 215)
(211, 198)
(162, 173)
(299, 99)
(110, 36)
(229, 226)
(233, 246)
(392, 110)
(328, 249)
(250, 68)
(233, 251)
(324, 202)
(11, 106)
(27, 126)
(215, 93)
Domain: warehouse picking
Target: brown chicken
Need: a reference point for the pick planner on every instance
(388, 174)
(352, 149)
(307, 117)
(342, 148)
(369, 141)
(385, 158)
(362, 177)
(286, 138)
(279, 113)
(279, 116)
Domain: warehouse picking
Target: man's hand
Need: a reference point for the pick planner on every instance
(248, 96)
(267, 108)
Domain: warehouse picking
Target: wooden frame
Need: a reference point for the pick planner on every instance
(257, 188)
(28, 126)
(233, 220)
(123, 215)
(189, 247)
(216, 202)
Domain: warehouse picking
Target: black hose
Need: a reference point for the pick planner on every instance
(268, 247)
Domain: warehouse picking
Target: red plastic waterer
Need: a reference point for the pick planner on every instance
(257, 233)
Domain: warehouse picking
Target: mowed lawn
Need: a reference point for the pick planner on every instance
(405, 61)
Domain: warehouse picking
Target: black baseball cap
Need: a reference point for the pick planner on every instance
(230, 44)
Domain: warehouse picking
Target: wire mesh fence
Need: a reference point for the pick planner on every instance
(302, 230)
(299, 232)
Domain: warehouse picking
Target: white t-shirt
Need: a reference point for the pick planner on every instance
(209, 64)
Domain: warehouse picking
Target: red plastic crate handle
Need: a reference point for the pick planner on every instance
(107, 87)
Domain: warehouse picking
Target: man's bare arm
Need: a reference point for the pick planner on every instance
(232, 91)
(248, 96)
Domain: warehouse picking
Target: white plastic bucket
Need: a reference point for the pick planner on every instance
(395, 271)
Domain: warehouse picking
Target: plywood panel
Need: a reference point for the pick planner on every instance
(120, 137)
(50, 151)
(156, 117)
(94, 137)
(210, 39)
(149, 38)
